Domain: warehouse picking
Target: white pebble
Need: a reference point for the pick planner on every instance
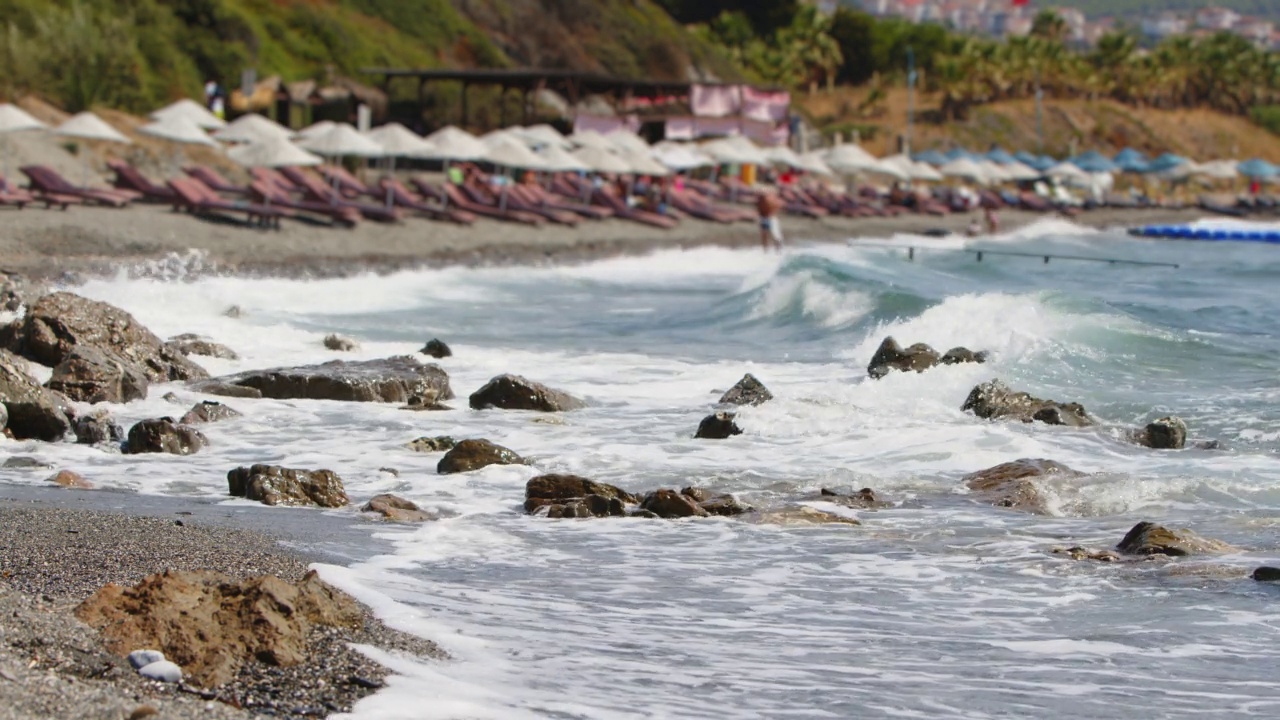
(162, 670)
(142, 658)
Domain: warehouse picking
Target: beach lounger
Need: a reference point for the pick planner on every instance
(515, 201)
(626, 212)
(45, 180)
(267, 193)
(349, 185)
(20, 197)
(401, 197)
(697, 206)
(315, 190)
(539, 195)
(196, 197)
(129, 177)
(212, 179)
(458, 200)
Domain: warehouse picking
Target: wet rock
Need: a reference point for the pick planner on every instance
(275, 485)
(1167, 433)
(804, 515)
(23, 462)
(1013, 484)
(69, 479)
(98, 428)
(393, 380)
(718, 427)
(961, 355)
(865, 498)
(890, 356)
(424, 403)
(396, 509)
(340, 343)
(1083, 553)
(471, 455)
(697, 494)
(437, 349)
(584, 507)
(1266, 574)
(87, 374)
(224, 389)
(512, 392)
(13, 288)
(163, 435)
(1150, 539)
(440, 443)
(724, 506)
(208, 411)
(4, 417)
(61, 321)
(192, 344)
(748, 391)
(212, 625)
(671, 504)
(33, 412)
(557, 487)
(171, 397)
(993, 400)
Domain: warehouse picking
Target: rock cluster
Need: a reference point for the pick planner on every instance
(994, 400)
(891, 356)
(573, 496)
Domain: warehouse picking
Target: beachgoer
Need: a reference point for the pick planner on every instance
(993, 221)
(767, 208)
(455, 175)
(219, 108)
(678, 183)
(974, 229)
(210, 92)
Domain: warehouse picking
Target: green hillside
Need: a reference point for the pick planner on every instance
(137, 54)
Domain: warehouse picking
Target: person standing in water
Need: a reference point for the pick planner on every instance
(767, 207)
(993, 221)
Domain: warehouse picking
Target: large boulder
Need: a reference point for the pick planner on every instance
(1147, 538)
(396, 509)
(88, 374)
(192, 344)
(1167, 433)
(471, 455)
(213, 625)
(671, 504)
(98, 428)
(993, 400)
(392, 380)
(61, 321)
(512, 392)
(1014, 484)
(719, 426)
(748, 391)
(163, 435)
(208, 411)
(275, 485)
(572, 491)
(33, 411)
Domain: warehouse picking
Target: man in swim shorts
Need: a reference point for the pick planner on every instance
(767, 207)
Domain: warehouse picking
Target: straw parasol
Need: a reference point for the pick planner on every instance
(627, 141)
(966, 169)
(642, 163)
(397, 140)
(681, 157)
(87, 126)
(178, 129)
(272, 153)
(512, 153)
(15, 119)
(545, 135)
(452, 143)
(252, 128)
(189, 109)
(557, 159)
(849, 159)
(591, 138)
(314, 130)
(601, 160)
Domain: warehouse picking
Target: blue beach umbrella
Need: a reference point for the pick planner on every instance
(1167, 161)
(1129, 155)
(1094, 161)
(1036, 162)
(932, 157)
(1258, 168)
(1000, 156)
(959, 154)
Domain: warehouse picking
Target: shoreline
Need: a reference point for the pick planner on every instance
(52, 665)
(153, 241)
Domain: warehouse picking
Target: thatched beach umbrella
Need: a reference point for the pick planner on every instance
(253, 128)
(342, 141)
(273, 153)
(178, 130)
(188, 109)
(557, 159)
(87, 126)
(14, 119)
(513, 154)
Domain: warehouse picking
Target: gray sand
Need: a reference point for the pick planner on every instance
(52, 557)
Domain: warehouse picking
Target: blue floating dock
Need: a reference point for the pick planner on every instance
(1184, 232)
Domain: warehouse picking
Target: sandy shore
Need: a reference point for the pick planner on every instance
(57, 547)
(46, 244)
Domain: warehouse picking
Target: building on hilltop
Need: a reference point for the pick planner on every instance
(1216, 18)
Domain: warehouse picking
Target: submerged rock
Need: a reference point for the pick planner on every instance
(961, 355)
(396, 509)
(392, 380)
(994, 400)
(163, 435)
(87, 374)
(1013, 484)
(440, 443)
(275, 485)
(512, 392)
(33, 412)
(437, 349)
(208, 411)
(865, 498)
(719, 426)
(1266, 574)
(61, 321)
(192, 344)
(1083, 553)
(804, 515)
(212, 625)
(748, 391)
(1150, 539)
(98, 428)
(69, 479)
(424, 403)
(1167, 433)
(340, 343)
(471, 455)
